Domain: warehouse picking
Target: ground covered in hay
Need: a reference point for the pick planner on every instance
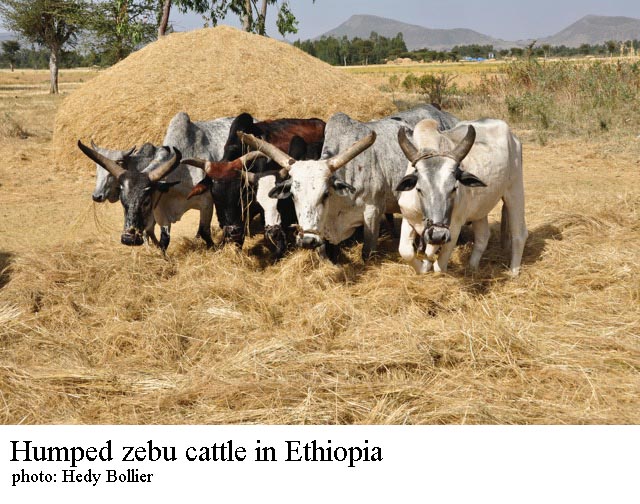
(94, 332)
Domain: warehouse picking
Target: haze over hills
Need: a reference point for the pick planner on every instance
(596, 30)
(589, 30)
(416, 37)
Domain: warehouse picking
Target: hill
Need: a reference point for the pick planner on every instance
(416, 37)
(588, 30)
(595, 30)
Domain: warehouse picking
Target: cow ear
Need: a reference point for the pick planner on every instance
(342, 188)
(469, 180)
(282, 190)
(163, 187)
(408, 182)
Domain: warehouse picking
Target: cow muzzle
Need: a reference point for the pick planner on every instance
(437, 234)
(98, 198)
(233, 234)
(309, 241)
(131, 238)
(275, 236)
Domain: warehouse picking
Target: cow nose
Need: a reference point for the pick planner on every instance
(131, 239)
(437, 235)
(97, 198)
(309, 241)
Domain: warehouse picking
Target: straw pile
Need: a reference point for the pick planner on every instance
(207, 73)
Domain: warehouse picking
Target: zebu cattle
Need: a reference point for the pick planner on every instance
(224, 179)
(138, 191)
(458, 176)
(206, 138)
(280, 214)
(332, 201)
(331, 206)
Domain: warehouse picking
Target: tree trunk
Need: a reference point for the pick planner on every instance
(262, 20)
(164, 20)
(53, 70)
(12, 66)
(246, 18)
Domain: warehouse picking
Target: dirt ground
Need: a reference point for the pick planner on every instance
(94, 332)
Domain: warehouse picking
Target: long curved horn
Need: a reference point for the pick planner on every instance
(270, 150)
(247, 176)
(108, 164)
(165, 168)
(463, 148)
(407, 146)
(339, 160)
(197, 162)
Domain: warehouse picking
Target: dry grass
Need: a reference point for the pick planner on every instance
(94, 332)
(210, 73)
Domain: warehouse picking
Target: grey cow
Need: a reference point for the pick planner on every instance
(193, 139)
(351, 184)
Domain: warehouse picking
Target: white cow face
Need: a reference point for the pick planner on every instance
(436, 179)
(313, 188)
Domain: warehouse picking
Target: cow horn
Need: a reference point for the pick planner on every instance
(270, 150)
(128, 153)
(165, 168)
(407, 146)
(197, 162)
(463, 148)
(108, 164)
(247, 176)
(344, 157)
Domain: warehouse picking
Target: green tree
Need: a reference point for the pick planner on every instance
(611, 46)
(121, 25)
(252, 14)
(49, 23)
(10, 50)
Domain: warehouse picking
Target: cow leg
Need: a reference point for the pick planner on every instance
(407, 249)
(204, 227)
(391, 225)
(150, 234)
(165, 237)
(371, 231)
(514, 201)
(440, 266)
(481, 234)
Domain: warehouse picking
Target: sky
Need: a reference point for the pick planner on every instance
(505, 19)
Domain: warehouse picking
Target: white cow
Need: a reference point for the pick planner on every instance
(459, 176)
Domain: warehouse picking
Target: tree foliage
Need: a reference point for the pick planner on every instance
(119, 26)
(10, 50)
(50, 23)
(252, 14)
(357, 51)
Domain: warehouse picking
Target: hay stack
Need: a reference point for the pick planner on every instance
(207, 73)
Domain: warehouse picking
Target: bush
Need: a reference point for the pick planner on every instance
(437, 88)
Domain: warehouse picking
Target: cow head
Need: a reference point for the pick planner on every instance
(312, 185)
(437, 177)
(279, 212)
(107, 187)
(226, 180)
(138, 189)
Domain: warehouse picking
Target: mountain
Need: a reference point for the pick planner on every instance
(588, 30)
(595, 30)
(416, 37)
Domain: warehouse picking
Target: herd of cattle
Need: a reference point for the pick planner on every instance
(314, 183)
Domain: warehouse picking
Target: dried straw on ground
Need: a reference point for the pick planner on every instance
(207, 73)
